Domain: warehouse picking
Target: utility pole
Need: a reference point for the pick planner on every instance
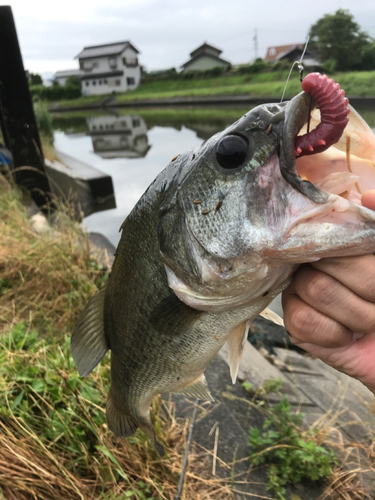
(255, 38)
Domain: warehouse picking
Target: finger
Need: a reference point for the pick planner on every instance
(306, 325)
(356, 273)
(334, 300)
(368, 199)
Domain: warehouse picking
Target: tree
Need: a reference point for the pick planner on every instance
(35, 79)
(73, 81)
(338, 39)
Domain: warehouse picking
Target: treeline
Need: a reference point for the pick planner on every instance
(258, 66)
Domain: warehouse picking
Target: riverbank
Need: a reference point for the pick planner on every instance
(240, 90)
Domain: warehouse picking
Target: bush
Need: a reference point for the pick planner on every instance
(56, 92)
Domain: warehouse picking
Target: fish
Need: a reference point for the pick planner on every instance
(216, 237)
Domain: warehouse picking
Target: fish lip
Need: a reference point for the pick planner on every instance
(296, 114)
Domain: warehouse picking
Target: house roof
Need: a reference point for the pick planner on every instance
(203, 47)
(205, 55)
(68, 72)
(276, 51)
(109, 49)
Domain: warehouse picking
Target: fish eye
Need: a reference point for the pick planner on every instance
(231, 151)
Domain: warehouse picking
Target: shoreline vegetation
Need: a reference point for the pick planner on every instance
(255, 86)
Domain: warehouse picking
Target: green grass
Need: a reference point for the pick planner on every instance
(292, 454)
(268, 84)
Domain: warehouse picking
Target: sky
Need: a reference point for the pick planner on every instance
(51, 33)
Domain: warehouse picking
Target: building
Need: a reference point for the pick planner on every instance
(291, 53)
(205, 57)
(118, 136)
(62, 76)
(108, 68)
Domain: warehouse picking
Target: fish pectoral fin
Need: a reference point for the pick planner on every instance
(272, 316)
(236, 343)
(172, 315)
(124, 425)
(88, 343)
(198, 389)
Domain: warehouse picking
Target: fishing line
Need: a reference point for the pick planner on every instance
(300, 68)
(184, 465)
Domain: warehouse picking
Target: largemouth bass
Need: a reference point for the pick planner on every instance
(216, 237)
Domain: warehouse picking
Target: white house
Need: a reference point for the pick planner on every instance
(62, 76)
(118, 136)
(110, 67)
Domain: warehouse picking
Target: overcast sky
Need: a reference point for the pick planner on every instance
(51, 33)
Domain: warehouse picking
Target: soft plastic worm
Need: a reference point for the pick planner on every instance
(334, 110)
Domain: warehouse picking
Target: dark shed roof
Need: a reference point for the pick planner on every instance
(109, 49)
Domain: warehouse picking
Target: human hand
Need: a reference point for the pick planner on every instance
(329, 311)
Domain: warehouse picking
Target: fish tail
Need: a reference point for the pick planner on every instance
(124, 425)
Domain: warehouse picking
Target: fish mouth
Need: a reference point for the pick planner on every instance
(345, 169)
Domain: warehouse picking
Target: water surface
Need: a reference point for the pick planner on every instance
(133, 149)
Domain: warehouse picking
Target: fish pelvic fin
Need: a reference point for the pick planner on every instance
(88, 343)
(236, 343)
(198, 389)
(124, 425)
(272, 316)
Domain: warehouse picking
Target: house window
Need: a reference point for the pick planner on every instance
(87, 84)
(112, 62)
(94, 82)
(87, 65)
(130, 61)
(272, 51)
(100, 82)
(130, 81)
(105, 82)
(117, 83)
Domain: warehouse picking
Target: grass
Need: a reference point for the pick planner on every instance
(292, 455)
(269, 84)
(294, 451)
(53, 435)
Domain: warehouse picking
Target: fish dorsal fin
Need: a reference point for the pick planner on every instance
(272, 316)
(198, 389)
(88, 343)
(172, 315)
(236, 343)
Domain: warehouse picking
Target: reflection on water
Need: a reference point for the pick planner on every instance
(118, 136)
(133, 147)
